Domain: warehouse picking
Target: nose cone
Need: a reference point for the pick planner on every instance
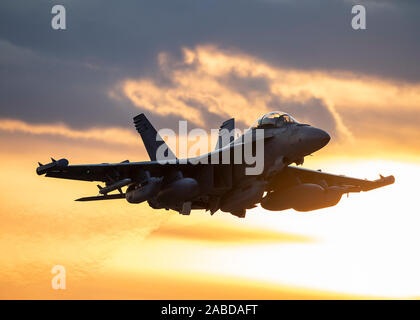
(315, 138)
(321, 137)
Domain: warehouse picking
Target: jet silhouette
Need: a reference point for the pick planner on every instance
(203, 183)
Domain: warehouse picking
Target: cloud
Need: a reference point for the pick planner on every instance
(208, 84)
(108, 135)
(214, 232)
(51, 76)
(298, 34)
(324, 73)
(230, 83)
(41, 89)
(145, 94)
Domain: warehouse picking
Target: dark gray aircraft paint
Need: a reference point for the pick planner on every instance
(183, 186)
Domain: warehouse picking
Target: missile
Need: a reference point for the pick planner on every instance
(104, 197)
(114, 186)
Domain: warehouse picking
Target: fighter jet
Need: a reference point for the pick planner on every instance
(184, 185)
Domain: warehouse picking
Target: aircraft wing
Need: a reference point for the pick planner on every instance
(105, 172)
(352, 184)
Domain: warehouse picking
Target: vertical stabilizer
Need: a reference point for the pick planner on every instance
(151, 139)
(226, 133)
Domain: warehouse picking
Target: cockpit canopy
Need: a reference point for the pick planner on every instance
(275, 119)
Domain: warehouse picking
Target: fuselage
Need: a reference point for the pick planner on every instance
(282, 145)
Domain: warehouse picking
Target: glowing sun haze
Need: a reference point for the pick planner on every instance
(361, 248)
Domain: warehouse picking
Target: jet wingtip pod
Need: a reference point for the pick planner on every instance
(379, 183)
(44, 168)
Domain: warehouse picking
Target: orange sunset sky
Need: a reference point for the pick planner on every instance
(74, 97)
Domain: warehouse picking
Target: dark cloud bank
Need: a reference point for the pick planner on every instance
(51, 76)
